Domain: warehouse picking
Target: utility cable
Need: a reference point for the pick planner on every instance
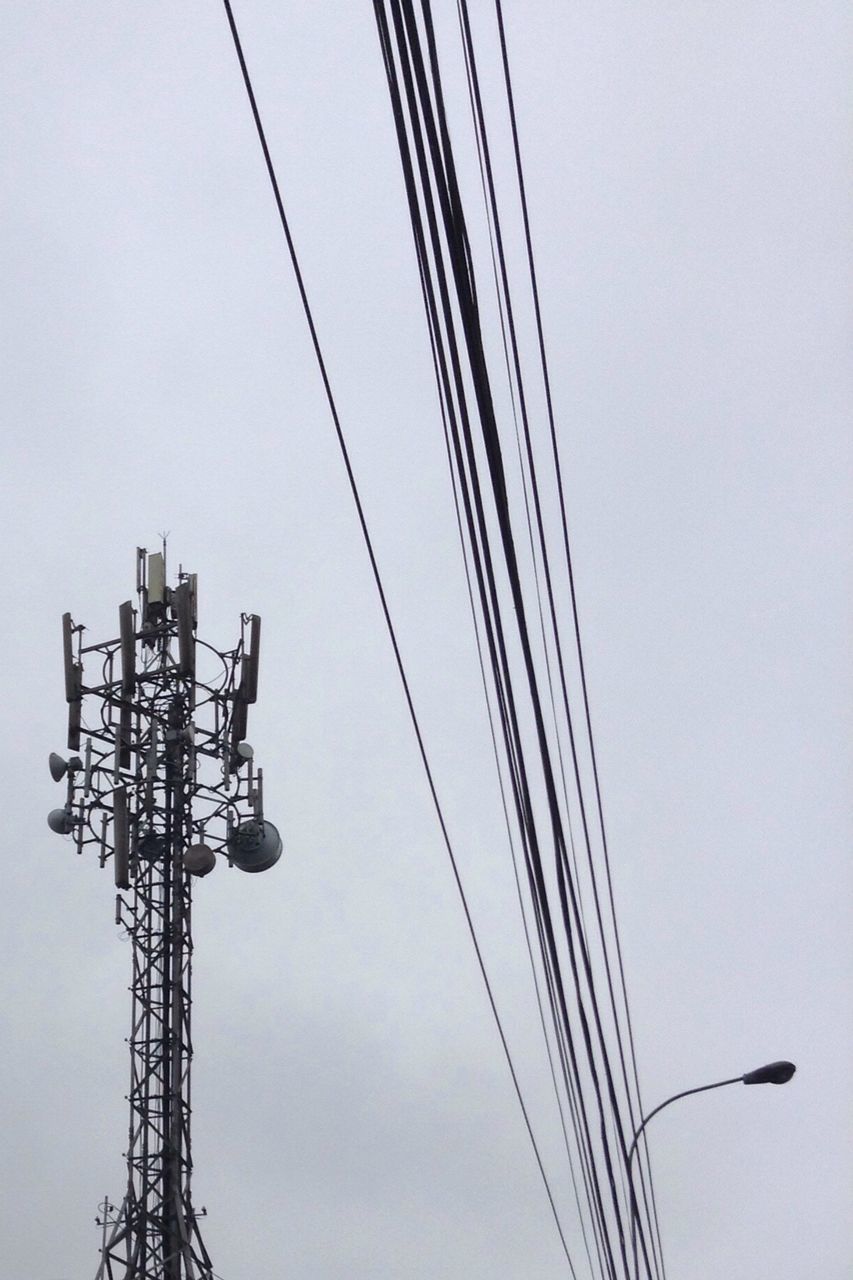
(466, 456)
(505, 305)
(435, 125)
(437, 177)
(384, 605)
(562, 504)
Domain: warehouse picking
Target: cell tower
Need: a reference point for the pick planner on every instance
(165, 779)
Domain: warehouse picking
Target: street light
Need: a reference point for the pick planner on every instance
(772, 1073)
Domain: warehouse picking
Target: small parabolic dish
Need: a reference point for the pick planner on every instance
(151, 846)
(254, 846)
(60, 821)
(58, 767)
(199, 859)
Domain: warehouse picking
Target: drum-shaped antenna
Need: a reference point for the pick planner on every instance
(60, 821)
(58, 767)
(151, 846)
(243, 752)
(254, 846)
(199, 859)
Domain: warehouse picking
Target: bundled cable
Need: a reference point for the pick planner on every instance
(535, 679)
(391, 630)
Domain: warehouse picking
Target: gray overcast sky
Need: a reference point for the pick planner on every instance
(689, 177)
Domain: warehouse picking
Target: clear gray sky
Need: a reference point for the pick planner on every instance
(689, 179)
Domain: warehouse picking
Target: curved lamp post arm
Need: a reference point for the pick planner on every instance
(635, 1208)
(773, 1073)
(702, 1088)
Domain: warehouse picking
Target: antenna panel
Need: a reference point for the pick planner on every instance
(183, 605)
(121, 839)
(249, 674)
(74, 712)
(239, 723)
(128, 646)
(156, 578)
(124, 735)
(73, 670)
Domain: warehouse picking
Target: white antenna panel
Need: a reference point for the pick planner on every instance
(156, 578)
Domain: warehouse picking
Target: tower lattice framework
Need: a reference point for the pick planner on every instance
(163, 781)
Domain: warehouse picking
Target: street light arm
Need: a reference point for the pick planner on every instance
(635, 1208)
(702, 1088)
(773, 1073)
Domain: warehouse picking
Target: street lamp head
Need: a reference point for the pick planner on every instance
(773, 1073)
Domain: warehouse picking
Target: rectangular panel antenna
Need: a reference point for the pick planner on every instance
(141, 553)
(74, 710)
(73, 672)
(128, 646)
(156, 578)
(249, 675)
(182, 602)
(121, 839)
(124, 735)
(239, 719)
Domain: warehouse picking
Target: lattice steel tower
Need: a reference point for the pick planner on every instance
(165, 778)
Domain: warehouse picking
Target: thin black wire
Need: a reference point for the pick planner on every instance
(441, 153)
(464, 458)
(502, 309)
(581, 664)
(384, 604)
(517, 879)
(460, 258)
(503, 317)
(482, 136)
(466, 298)
(592, 869)
(514, 859)
(505, 305)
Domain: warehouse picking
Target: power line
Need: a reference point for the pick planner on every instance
(546, 379)
(451, 378)
(448, 284)
(384, 604)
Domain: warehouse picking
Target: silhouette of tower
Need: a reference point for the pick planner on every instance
(163, 781)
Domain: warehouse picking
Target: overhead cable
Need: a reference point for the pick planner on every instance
(386, 610)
